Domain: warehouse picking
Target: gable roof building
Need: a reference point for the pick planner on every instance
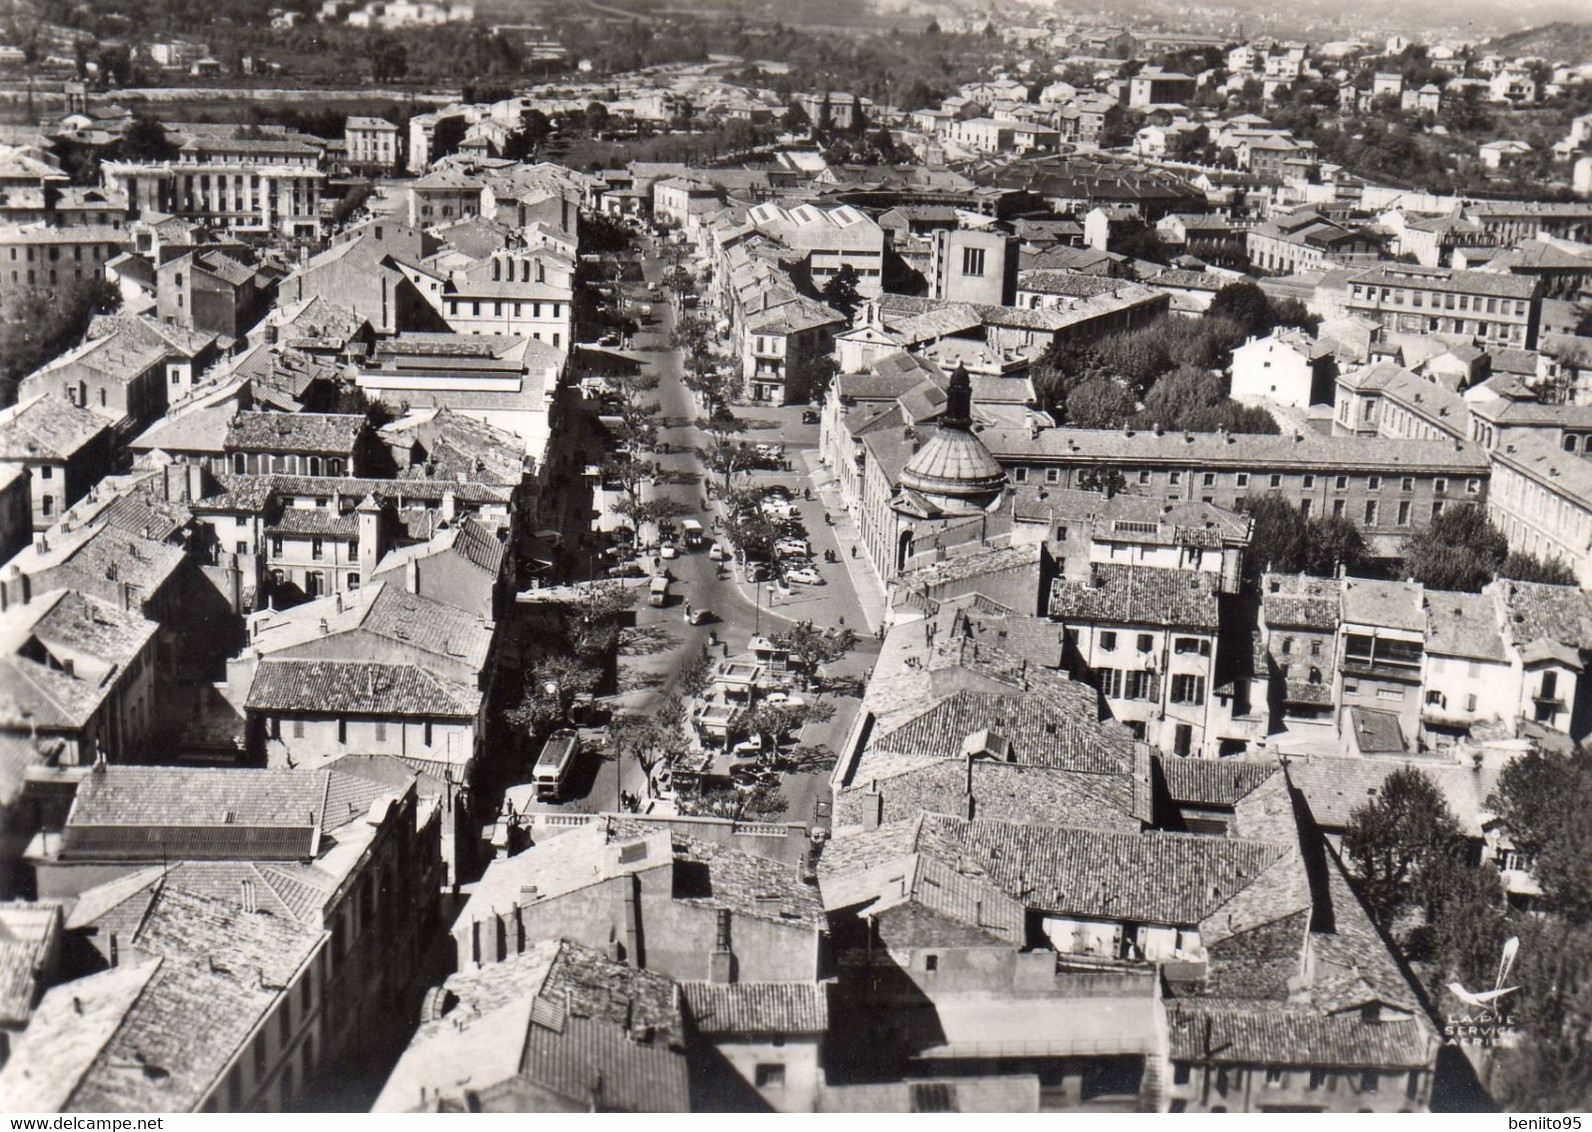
(559, 1027)
(707, 911)
(76, 678)
(199, 979)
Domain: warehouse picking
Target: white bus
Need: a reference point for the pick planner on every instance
(553, 765)
(658, 594)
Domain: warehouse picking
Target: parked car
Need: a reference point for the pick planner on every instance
(793, 546)
(783, 699)
(750, 778)
(809, 416)
(747, 748)
(807, 576)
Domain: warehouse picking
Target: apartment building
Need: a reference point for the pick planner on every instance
(683, 906)
(344, 865)
(1388, 488)
(444, 195)
(514, 293)
(79, 672)
(311, 713)
(295, 444)
(1287, 368)
(1506, 223)
(1153, 87)
(65, 449)
(784, 346)
(1490, 309)
(970, 266)
(50, 257)
(1309, 240)
(505, 380)
(1389, 667)
(263, 198)
(371, 144)
(1147, 637)
(1542, 501)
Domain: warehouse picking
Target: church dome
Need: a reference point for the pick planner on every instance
(954, 470)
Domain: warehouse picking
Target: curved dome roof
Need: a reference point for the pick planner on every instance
(954, 469)
(955, 463)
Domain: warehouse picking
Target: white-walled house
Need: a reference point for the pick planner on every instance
(1286, 368)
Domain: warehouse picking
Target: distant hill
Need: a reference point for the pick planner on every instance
(1557, 42)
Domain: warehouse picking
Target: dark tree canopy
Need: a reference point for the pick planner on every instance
(1284, 540)
(1545, 801)
(37, 324)
(841, 290)
(1099, 402)
(1394, 843)
(1245, 305)
(1525, 567)
(1458, 550)
(145, 140)
(1194, 398)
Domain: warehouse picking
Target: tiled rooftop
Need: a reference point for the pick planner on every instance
(1014, 792)
(1035, 728)
(28, 933)
(36, 690)
(47, 428)
(216, 973)
(757, 1008)
(382, 609)
(354, 687)
(1138, 595)
(1307, 451)
(333, 433)
(133, 797)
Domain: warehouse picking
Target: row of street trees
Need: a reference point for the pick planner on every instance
(636, 438)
